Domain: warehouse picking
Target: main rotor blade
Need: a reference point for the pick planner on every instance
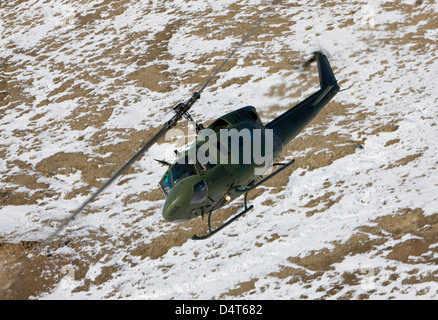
(180, 110)
(119, 172)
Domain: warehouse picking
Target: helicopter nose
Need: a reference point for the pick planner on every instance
(177, 202)
(184, 200)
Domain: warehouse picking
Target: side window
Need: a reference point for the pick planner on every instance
(182, 170)
(200, 192)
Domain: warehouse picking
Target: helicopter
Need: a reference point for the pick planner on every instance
(210, 174)
(195, 188)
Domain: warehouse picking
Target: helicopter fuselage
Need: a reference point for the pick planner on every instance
(194, 187)
(212, 173)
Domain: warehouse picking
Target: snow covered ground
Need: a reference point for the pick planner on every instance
(84, 83)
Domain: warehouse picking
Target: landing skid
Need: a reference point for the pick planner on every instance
(245, 190)
(212, 232)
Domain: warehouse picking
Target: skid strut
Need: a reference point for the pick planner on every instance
(212, 232)
(244, 190)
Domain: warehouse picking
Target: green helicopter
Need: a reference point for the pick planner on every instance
(195, 187)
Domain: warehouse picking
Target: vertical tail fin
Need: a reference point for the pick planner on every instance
(288, 125)
(326, 76)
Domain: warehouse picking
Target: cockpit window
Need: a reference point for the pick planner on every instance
(166, 183)
(206, 164)
(182, 170)
(179, 171)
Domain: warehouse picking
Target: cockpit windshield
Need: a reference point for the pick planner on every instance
(180, 170)
(166, 183)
